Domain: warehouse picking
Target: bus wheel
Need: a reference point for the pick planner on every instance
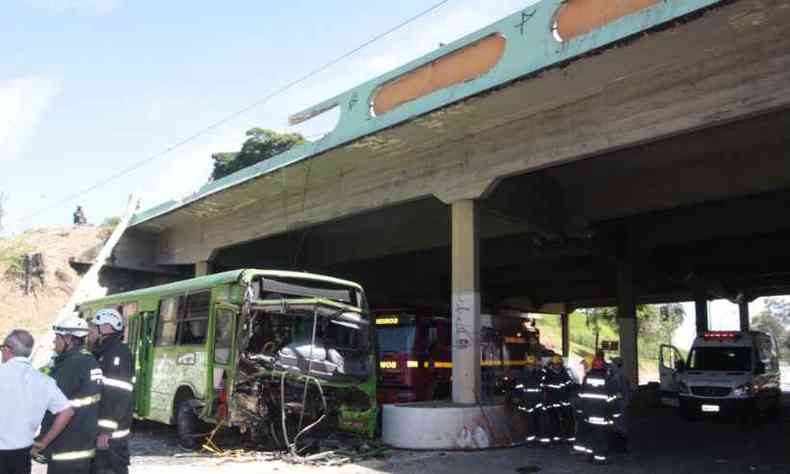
(188, 425)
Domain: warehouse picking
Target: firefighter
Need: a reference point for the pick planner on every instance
(115, 408)
(556, 385)
(528, 398)
(598, 411)
(79, 378)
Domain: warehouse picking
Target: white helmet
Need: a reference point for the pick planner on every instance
(71, 326)
(109, 316)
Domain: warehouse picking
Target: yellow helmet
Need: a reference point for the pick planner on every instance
(531, 360)
(556, 359)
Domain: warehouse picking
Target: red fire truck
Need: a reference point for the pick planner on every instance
(414, 353)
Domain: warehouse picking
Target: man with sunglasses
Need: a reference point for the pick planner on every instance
(27, 395)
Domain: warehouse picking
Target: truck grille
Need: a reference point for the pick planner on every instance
(711, 391)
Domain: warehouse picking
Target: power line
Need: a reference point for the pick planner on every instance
(233, 115)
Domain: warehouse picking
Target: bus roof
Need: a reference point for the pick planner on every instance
(210, 281)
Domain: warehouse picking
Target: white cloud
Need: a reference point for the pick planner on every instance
(99, 7)
(23, 101)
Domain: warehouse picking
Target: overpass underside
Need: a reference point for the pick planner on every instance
(652, 167)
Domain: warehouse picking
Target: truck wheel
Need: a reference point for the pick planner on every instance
(189, 425)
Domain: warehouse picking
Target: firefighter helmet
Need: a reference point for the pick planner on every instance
(109, 316)
(556, 359)
(598, 363)
(71, 326)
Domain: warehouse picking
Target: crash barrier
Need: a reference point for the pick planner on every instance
(451, 426)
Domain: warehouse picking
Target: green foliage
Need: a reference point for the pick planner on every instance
(111, 222)
(12, 257)
(773, 320)
(262, 144)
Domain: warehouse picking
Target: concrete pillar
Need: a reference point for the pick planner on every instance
(701, 307)
(203, 268)
(626, 314)
(566, 345)
(743, 311)
(465, 301)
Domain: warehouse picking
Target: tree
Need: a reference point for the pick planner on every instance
(775, 320)
(597, 317)
(261, 145)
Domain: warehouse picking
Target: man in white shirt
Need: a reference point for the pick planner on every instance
(25, 396)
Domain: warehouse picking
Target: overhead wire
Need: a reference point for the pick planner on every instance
(233, 115)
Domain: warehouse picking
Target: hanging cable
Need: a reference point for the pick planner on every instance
(231, 116)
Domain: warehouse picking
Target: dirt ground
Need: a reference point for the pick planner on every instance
(52, 290)
(660, 442)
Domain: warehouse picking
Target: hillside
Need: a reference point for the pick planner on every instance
(51, 291)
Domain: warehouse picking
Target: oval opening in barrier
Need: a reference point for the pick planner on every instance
(454, 68)
(579, 17)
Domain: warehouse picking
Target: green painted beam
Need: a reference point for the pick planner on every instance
(531, 47)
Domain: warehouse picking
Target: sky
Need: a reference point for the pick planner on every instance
(89, 88)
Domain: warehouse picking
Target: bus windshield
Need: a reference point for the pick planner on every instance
(734, 359)
(396, 339)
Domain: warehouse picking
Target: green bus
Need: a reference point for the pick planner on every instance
(273, 353)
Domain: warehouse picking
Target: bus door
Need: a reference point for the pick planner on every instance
(222, 358)
(141, 341)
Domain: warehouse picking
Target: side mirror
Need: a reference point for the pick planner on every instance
(680, 366)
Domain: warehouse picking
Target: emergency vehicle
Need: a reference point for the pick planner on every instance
(727, 373)
(415, 353)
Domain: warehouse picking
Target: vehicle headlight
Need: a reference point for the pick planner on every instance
(683, 387)
(743, 391)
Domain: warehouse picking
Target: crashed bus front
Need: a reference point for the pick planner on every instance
(305, 363)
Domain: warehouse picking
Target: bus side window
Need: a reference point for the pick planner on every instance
(166, 326)
(193, 320)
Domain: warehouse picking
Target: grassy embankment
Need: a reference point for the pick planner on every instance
(582, 341)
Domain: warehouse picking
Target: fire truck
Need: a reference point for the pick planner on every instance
(415, 353)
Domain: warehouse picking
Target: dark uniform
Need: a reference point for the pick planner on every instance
(557, 386)
(528, 399)
(115, 409)
(599, 402)
(79, 378)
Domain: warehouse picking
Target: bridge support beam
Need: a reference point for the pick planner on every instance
(203, 268)
(701, 307)
(626, 314)
(566, 346)
(466, 301)
(743, 311)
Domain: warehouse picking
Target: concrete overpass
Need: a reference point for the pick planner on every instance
(583, 152)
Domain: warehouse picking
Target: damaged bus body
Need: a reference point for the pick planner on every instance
(276, 354)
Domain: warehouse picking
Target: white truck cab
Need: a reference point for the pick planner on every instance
(727, 373)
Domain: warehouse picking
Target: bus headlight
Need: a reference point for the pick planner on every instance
(743, 391)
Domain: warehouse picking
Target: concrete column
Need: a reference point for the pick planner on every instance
(743, 311)
(566, 345)
(701, 307)
(203, 268)
(466, 301)
(626, 314)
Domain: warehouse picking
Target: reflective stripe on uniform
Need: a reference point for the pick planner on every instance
(109, 424)
(596, 396)
(579, 448)
(96, 375)
(595, 420)
(118, 384)
(74, 455)
(84, 401)
(599, 458)
(120, 434)
(596, 382)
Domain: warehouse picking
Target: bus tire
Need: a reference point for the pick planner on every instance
(188, 425)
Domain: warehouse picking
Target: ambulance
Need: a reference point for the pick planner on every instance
(728, 374)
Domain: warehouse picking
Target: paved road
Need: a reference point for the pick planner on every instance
(661, 443)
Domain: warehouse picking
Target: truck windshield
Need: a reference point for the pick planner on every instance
(721, 358)
(396, 339)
